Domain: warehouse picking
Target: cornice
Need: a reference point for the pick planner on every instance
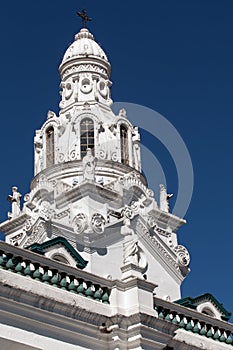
(159, 250)
(167, 219)
(86, 189)
(9, 226)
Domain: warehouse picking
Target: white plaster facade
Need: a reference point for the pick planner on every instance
(109, 216)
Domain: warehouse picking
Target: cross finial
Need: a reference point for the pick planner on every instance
(84, 17)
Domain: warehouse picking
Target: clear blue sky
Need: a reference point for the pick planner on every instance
(172, 56)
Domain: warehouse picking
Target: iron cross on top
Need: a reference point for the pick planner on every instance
(84, 17)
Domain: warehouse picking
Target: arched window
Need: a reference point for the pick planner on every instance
(124, 145)
(208, 312)
(86, 135)
(50, 146)
(60, 258)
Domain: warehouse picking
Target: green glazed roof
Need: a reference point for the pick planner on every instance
(192, 303)
(41, 249)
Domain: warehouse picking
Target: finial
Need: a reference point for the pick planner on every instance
(84, 17)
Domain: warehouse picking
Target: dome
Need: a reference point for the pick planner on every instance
(84, 46)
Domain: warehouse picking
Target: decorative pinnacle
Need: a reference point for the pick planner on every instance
(84, 17)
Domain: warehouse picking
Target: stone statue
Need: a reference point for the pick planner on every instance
(38, 153)
(89, 163)
(15, 202)
(51, 114)
(130, 244)
(164, 199)
(122, 113)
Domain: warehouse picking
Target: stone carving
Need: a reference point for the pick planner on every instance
(151, 221)
(103, 88)
(157, 246)
(51, 115)
(14, 240)
(130, 244)
(101, 128)
(139, 204)
(100, 181)
(28, 225)
(15, 203)
(114, 156)
(183, 257)
(60, 157)
(113, 128)
(127, 212)
(132, 179)
(86, 106)
(72, 154)
(164, 199)
(97, 223)
(122, 113)
(36, 233)
(86, 84)
(61, 129)
(46, 212)
(136, 155)
(150, 193)
(68, 91)
(102, 154)
(80, 223)
(62, 214)
(162, 232)
(27, 197)
(75, 181)
(85, 67)
(136, 148)
(38, 152)
(89, 164)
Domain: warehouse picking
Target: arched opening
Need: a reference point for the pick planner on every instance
(50, 146)
(124, 145)
(60, 258)
(87, 139)
(208, 312)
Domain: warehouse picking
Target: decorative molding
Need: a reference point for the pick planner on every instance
(36, 233)
(46, 212)
(83, 68)
(80, 223)
(62, 214)
(102, 154)
(98, 222)
(133, 179)
(183, 257)
(151, 221)
(162, 232)
(165, 256)
(14, 239)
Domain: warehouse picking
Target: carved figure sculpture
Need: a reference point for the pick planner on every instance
(15, 202)
(130, 244)
(38, 152)
(122, 113)
(183, 257)
(164, 199)
(51, 115)
(89, 163)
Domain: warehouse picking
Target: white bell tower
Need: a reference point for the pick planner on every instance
(88, 187)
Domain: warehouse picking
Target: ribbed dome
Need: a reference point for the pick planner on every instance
(84, 46)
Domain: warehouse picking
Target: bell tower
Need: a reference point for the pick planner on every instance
(88, 189)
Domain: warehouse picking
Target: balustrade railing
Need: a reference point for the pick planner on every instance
(47, 271)
(195, 322)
